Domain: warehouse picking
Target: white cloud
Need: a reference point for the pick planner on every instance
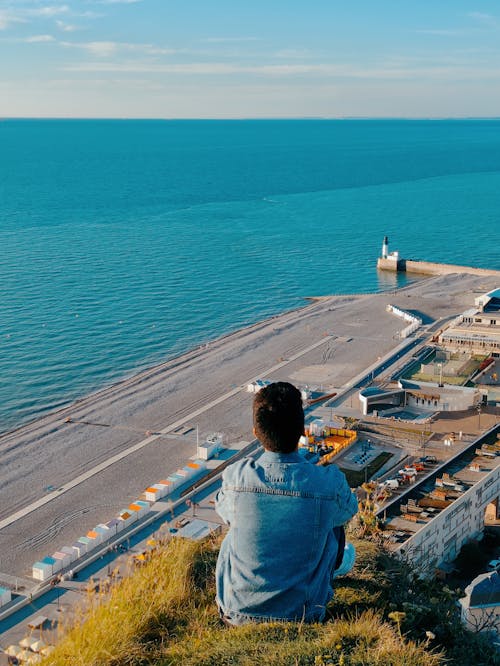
(293, 53)
(484, 19)
(224, 40)
(39, 38)
(322, 70)
(153, 50)
(100, 49)
(7, 19)
(66, 27)
(89, 15)
(117, 2)
(480, 16)
(49, 10)
(105, 49)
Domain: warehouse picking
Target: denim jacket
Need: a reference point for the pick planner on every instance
(277, 558)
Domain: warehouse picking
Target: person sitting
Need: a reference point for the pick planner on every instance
(285, 518)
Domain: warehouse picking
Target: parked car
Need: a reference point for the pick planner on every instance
(390, 483)
(411, 470)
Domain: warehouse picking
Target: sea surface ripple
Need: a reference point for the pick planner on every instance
(124, 243)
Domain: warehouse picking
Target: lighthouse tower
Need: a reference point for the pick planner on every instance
(385, 248)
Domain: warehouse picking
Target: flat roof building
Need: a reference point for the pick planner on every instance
(437, 521)
(477, 329)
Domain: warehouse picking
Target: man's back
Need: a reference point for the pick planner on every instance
(278, 557)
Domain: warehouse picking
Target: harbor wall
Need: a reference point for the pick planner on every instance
(430, 268)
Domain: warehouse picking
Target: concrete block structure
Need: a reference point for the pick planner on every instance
(211, 446)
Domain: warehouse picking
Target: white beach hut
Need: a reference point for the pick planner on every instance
(43, 569)
(127, 517)
(164, 486)
(152, 494)
(63, 558)
(145, 507)
(198, 465)
(85, 541)
(95, 538)
(56, 563)
(114, 525)
(70, 551)
(103, 530)
(174, 481)
(138, 509)
(155, 492)
(80, 548)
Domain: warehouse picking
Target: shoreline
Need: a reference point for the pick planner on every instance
(171, 362)
(150, 370)
(325, 343)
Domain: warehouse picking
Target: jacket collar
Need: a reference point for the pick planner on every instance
(271, 456)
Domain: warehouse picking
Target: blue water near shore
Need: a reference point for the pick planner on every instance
(123, 243)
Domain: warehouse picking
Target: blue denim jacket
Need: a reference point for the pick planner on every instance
(277, 558)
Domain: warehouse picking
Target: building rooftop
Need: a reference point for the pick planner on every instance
(450, 482)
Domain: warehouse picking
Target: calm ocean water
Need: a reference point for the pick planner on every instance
(123, 243)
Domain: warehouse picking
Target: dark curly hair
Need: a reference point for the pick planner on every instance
(278, 417)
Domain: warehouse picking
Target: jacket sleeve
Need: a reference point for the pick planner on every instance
(347, 501)
(224, 502)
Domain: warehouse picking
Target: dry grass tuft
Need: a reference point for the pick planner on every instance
(165, 615)
(361, 641)
(146, 608)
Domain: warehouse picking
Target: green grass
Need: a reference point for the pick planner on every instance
(456, 380)
(164, 614)
(469, 368)
(356, 477)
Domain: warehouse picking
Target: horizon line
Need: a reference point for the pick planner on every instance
(245, 118)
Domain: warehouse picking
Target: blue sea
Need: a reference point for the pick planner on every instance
(124, 243)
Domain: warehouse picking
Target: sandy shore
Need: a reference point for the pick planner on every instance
(325, 343)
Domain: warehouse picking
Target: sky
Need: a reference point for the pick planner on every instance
(249, 59)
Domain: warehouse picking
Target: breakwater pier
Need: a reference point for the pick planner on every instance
(391, 261)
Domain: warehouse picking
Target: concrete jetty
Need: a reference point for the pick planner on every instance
(430, 268)
(391, 261)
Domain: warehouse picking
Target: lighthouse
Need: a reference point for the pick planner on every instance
(385, 248)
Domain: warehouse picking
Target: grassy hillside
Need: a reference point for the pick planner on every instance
(165, 614)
